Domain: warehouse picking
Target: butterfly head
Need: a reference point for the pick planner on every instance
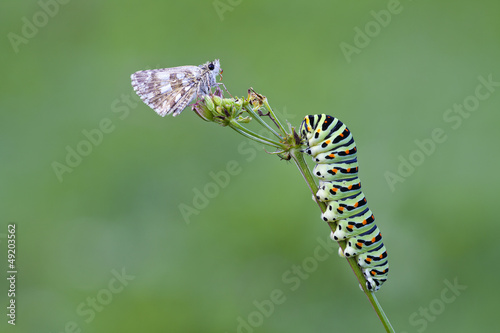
(214, 69)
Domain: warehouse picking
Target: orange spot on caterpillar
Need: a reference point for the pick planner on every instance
(328, 142)
(359, 244)
(374, 239)
(350, 227)
(331, 155)
(364, 222)
(347, 151)
(369, 259)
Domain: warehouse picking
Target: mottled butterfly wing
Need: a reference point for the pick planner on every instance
(167, 90)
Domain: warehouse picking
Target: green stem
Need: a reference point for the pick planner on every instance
(251, 111)
(298, 158)
(270, 110)
(254, 136)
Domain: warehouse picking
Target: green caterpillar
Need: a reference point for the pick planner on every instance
(332, 147)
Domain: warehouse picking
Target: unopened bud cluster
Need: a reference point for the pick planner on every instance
(220, 110)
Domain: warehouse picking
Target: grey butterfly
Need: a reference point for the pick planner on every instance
(170, 90)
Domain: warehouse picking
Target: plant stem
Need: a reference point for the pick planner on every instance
(298, 158)
(250, 110)
(254, 136)
(270, 110)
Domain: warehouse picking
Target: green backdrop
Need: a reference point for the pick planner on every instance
(96, 182)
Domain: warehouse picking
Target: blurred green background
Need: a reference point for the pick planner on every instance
(394, 72)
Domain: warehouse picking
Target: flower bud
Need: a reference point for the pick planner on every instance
(217, 100)
(227, 103)
(201, 110)
(209, 103)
